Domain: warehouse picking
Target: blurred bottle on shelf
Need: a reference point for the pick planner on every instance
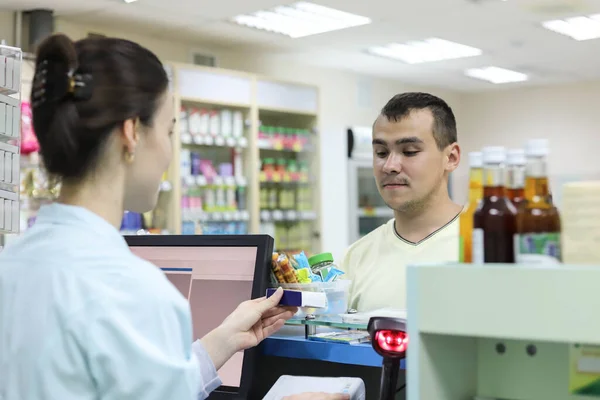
(515, 173)
(538, 238)
(468, 213)
(494, 222)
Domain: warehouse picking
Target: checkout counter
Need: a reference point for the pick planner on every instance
(216, 273)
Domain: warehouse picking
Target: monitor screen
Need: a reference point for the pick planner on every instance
(214, 278)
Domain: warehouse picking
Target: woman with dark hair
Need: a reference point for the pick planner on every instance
(81, 317)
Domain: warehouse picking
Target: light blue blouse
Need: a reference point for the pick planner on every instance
(81, 317)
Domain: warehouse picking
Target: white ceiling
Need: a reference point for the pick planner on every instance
(508, 32)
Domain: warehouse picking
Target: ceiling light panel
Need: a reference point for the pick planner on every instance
(496, 75)
(428, 50)
(301, 19)
(578, 28)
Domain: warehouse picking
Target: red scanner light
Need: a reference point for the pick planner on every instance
(392, 341)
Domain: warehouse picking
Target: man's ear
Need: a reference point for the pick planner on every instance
(452, 157)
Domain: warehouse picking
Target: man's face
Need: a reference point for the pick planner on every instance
(407, 164)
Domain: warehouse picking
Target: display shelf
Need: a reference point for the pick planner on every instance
(10, 138)
(500, 331)
(288, 138)
(208, 96)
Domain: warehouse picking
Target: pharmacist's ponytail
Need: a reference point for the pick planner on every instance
(82, 91)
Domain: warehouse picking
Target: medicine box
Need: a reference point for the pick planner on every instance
(3, 119)
(16, 122)
(2, 71)
(7, 167)
(1, 213)
(9, 120)
(2, 166)
(296, 298)
(15, 216)
(15, 169)
(17, 77)
(336, 293)
(9, 73)
(7, 214)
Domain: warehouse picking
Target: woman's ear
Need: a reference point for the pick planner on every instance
(130, 135)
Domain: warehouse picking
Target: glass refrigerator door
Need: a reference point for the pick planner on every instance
(367, 209)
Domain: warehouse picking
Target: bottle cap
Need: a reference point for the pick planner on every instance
(475, 159)
(494, 154)
(537, 147)
(516, 157)
(319, 258)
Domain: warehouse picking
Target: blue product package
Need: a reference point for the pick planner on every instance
(333, 274)
(302, 260)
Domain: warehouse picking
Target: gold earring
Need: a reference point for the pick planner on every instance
(129, 157)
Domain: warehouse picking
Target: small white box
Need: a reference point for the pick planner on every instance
(15, 168)
(17, 122)
(15, 216)
(17, 77)
(3, 117)
(7, 214)
(7, 168)
(288, 385)
(9, 72)
(2, 71)
(9, 120)
(1, 166)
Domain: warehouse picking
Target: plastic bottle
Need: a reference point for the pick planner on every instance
(538, 221)
(515, 172)
(494, 221)
(475, 196)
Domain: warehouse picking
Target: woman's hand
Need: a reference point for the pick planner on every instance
(255, 320)
(250, 323)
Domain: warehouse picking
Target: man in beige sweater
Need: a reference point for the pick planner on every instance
(414, 151)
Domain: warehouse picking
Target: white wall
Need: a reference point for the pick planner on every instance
(568, 115)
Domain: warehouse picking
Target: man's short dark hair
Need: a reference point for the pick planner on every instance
(444, 123)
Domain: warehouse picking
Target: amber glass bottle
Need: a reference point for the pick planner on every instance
(538, 221)
(494, 222)
(515, 174)
(475, 196)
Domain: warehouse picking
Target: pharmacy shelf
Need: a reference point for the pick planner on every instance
(10, 138)
(261, 100)
(498, 331)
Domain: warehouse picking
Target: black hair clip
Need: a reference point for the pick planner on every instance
(53, 84)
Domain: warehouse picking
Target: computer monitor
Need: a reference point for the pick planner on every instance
(215, 274)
